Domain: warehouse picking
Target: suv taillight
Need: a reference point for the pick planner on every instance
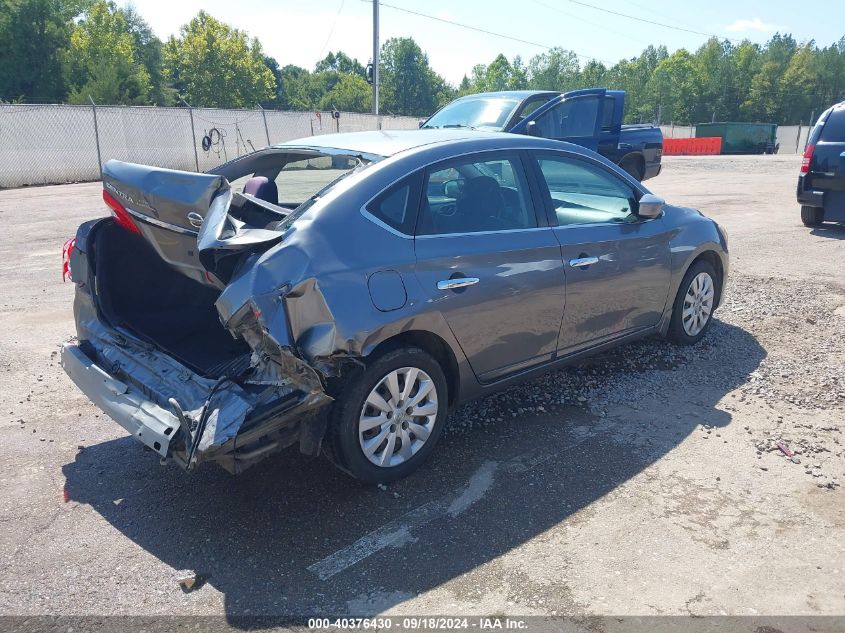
(67, 249)
(808, 157)
(121, 215)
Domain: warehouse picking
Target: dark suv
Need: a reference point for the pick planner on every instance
(821, 184)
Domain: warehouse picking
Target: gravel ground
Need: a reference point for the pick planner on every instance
(652, 480)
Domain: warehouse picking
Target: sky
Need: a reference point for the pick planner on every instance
(301, 32)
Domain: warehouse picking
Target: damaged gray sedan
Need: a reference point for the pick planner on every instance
(343, 292)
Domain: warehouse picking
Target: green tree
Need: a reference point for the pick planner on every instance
(103, 60)
(215, 65)
(593, 75)
(746, 61)
(500, 74)
(714, 75)
(149, 52)
(350, 93)
(408, 84)
(341, 63)
(764, 99)
(799, 84)
(556, 69)
(674, 85)
(295, 89)
(33, 36)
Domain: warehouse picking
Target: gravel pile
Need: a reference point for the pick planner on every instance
(775, 343)
(804, 329)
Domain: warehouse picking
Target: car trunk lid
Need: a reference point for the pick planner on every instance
(172, 209)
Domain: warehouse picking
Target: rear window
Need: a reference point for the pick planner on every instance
(298, 180)
(397, 206)
(834, 128)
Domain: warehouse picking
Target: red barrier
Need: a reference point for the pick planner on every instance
(707, 145)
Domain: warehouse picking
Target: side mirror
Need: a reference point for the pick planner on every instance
(531, 129)
(420, 123)
(650, 206)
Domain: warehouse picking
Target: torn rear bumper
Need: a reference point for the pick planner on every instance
(144, 419)
(234, 425)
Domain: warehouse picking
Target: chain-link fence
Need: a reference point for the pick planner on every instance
(48, 144)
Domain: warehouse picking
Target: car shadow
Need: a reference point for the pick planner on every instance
(275, 540)
(835, 231)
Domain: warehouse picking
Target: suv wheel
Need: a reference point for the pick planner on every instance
(812, 216)
(387, 419)
(694, 304)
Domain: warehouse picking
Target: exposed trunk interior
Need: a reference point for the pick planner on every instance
(140, 292)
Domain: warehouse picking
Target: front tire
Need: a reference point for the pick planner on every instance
(812, 216)
(694, 304)
(386, 420)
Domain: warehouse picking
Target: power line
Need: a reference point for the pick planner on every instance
(331, 30)
(661, 14)
(485, 31)
(583, 19)
(652, 22)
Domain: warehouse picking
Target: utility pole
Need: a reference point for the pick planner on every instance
(375, 57)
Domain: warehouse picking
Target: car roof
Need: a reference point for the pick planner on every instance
(386, 142)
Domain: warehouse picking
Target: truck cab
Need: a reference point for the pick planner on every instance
(591, 118)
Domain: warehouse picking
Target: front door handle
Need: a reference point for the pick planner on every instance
(581, 262)
(458, 282)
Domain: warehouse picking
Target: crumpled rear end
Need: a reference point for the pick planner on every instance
(233, 413)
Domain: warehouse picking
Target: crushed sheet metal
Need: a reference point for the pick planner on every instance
(164, 378)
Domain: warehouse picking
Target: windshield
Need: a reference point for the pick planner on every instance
(482, 113)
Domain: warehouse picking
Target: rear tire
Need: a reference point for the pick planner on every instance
(694, 304)
(812, 216)
(389, 440)
(633, 166)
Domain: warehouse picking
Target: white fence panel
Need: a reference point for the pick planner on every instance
(47, 144)
(287, 126)
(232, 133)
(678, 131)
(792, 138)
(155, 136)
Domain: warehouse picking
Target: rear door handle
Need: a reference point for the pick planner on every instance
(458, 282)
(581, 262)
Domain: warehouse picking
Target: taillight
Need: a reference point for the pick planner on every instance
(807, 159)
(67, 249)
(121, 215)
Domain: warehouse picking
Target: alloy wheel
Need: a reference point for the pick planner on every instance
(698, 304)
(398, 417)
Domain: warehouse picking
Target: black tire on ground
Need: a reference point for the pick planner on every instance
(812, 216)
(633, 165)
(343, 446)
(677, 333)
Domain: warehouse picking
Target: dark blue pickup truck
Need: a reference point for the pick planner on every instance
(591, 118)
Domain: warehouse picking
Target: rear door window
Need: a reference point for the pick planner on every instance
(834, 128)
(397, 206)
